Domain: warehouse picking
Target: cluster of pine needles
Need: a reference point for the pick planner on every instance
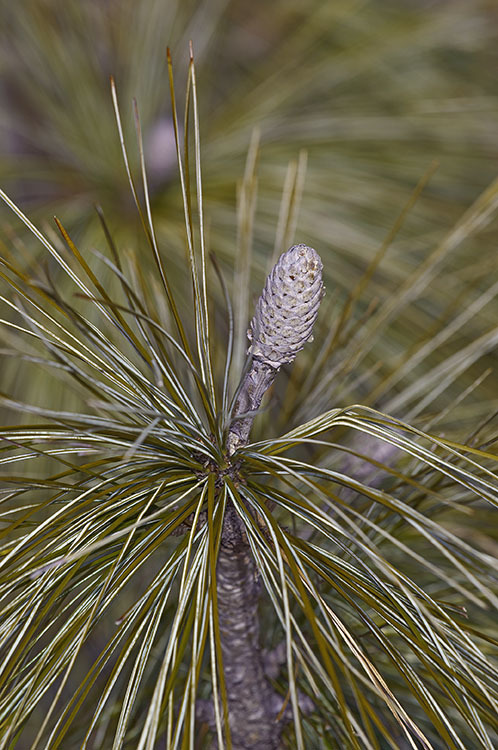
(367, 581)
(375, 542)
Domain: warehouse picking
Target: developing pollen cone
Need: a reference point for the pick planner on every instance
(282, 324)
(288, 306)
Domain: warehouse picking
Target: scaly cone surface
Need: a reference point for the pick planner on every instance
(282, 324)
(287, 308)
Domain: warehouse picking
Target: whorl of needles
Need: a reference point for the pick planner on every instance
(287, 308)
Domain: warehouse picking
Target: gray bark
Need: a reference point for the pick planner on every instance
(253, 706)
(256, 383)
(282, 324)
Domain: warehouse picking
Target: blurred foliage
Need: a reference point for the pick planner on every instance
(373, 91)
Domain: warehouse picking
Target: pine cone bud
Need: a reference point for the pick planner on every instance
(287, 308)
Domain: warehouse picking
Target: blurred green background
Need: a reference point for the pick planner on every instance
(353, 102)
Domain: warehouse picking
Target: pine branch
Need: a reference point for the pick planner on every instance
(282, 324)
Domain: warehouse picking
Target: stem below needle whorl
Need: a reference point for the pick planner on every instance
(282, 324)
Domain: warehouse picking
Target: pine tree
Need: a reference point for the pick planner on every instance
(314, 587)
